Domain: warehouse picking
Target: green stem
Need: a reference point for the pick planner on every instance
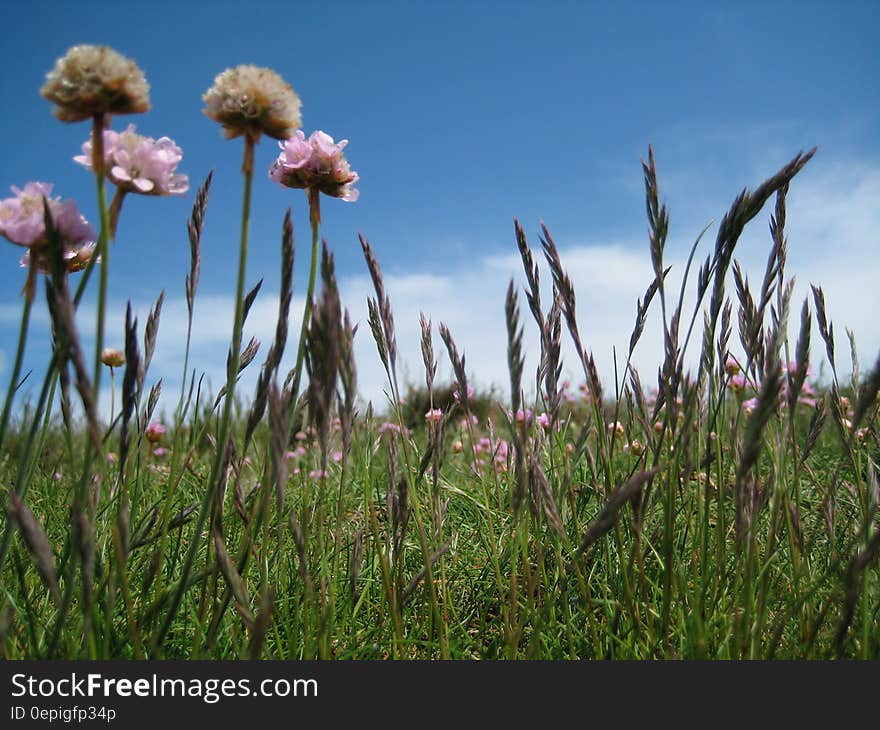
(16, 368)
(315, 220)
(102, 248)
(247, 169)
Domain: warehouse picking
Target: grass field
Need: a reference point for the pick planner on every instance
(728, 512)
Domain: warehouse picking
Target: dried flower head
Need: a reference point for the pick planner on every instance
(112, 357)
(92, 80)
(250, 100)
(139, 164)
(316, 162)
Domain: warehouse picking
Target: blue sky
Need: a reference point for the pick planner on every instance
(460, 116)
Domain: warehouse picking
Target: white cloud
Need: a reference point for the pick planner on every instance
(834, 241)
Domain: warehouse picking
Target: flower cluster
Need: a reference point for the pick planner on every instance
(22, 222)
(250, 100)
(316, 162)
(139, 164)
(95, 80)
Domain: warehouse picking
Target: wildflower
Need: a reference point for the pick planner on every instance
(22, 219)
(524, 416)
(846, 423)
(435, 415)
(731, 366)
(457, 447)
(544, 421)
(252, 101)
(636, 448)
(658, 427)
(317, 474)
(750, 406)
(160, 452)
(112, 357)
(844, 403)
(862, 434)
(569, 448)
(95, 80)
(297, 453)
(138, 164)
(316, 162)
(738, 383)
(336, 456)
(388, 426)
(457, 396)
(154, 432)
(616, 428)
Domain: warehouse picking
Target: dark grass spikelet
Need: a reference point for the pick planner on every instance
(533, 295)
(515, 359)
(797, 379)
(817, 423)
(61, 311)
(867, 394)
(375, 320)
(744, 208)
(152, 400)
(262, 621)
(129, 386)
(323, 350)
(279, 406)
(37, 543)
(458, 366)
(427, 345)
(642, 306)
(852, 582)
(515, 364)
(249, 300)
(607, 518)
(542, 495)
(658, 217)
(151, 330)
(348, 380)
(194, 229)
(826, 329)
(276, 351)
(383, 304)
(233, 579)
(551, 367)
(753, 440)
(408, 592)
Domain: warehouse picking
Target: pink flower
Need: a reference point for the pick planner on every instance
(616, 428)
(154, 432)
(544, 421)
(750, 406)
(524, 416)
(139, 164)
(160, 453)
(22, 222)
(317, 474)
(457, 447)
(297, 453)
(336, 456)
(738, 383)
(315, 163)
(731, 366)
(435, 415)
(457, 395)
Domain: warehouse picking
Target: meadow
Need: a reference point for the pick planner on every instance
(726, 510)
